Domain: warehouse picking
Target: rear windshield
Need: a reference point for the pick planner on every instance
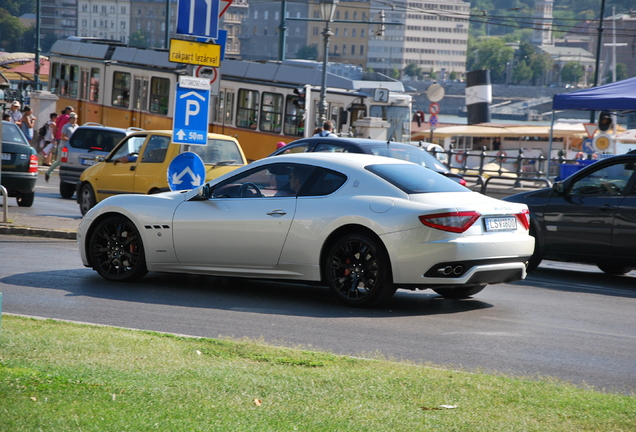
(12, 134)
(223, 152)
(95, 139)
(414, 179)
(411, 154)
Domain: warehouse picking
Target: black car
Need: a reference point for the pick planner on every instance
(590, 217)
(19, 165)
(392, 149)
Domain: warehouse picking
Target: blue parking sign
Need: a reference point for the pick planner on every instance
(191, 111)
(186, 171)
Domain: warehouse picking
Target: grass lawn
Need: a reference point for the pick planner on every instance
(57, 376)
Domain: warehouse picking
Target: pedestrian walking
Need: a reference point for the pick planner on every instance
(65, 135)
(327, 130)
(47, 141)
(28, 122)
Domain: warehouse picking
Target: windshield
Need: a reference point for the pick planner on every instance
(218, 151)
(414, 179)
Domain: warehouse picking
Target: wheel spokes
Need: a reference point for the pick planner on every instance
(116, 248)
(354, 269)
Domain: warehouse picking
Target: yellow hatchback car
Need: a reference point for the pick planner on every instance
(139, 164)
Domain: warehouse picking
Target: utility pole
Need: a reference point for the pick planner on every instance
(282, 29)
(599, 43)
(36, 66)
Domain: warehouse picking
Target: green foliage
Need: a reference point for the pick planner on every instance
(572, 72)
(413, 70)
(11, 33)
(18, 8)
(139, 39)
(490, 53)
(395, 73)
(621, 72)
(307, 52)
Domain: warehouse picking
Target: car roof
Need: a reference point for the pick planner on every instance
(91, 125)
(332, 160)
(166, 132)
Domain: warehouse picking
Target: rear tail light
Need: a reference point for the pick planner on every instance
(463, 182)
(456, 222)
(33, 164)
(524, 218)
(64, 156)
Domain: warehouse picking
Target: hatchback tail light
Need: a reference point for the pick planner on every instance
(524, 218)
(64, 156)
(456, 222)
(33, 164)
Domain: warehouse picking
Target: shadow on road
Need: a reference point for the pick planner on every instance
(233, 294)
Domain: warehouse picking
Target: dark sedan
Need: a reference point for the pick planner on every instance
(590, 217)
(391, 149)
(19, 165)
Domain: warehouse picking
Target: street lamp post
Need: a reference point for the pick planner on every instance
(327, 11)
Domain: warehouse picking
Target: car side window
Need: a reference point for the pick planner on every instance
(156, 149)
(275, 180)
(296, 149)
(326, 183)
(609, 180)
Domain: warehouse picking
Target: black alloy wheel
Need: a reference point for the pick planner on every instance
(116, 250)
(358, 271)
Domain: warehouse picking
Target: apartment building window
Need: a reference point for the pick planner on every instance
(103, 9)
(346, 33)
(362, 33)
(95, 8)
(112, 9)
(346, 15)
(266, 15)
(353, 32)
(361, 50)
(123, 10)
(123, 25)
(353, 50)
(85, 7)
(315, 31)
(94, 23)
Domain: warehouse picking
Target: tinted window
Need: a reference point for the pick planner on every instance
(330, 148)
(276, 180)
(95, 139)
(413, 179)
(327, 182)
(12, 134)
(411, 154)
(156, 149)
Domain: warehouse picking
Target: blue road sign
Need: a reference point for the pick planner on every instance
(186, 171)
(588, 146)
(198, 18)
(432, 120)
(191, 110)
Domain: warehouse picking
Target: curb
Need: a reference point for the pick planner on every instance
(37, 232)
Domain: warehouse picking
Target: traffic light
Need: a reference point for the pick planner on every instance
(302, 94)
(604, 121)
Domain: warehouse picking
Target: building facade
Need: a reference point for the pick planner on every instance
(434, 36)
(58, 18)
(105, 19)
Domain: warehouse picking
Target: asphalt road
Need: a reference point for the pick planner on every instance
(567, 321)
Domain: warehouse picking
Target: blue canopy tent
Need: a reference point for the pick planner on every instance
(615, 97)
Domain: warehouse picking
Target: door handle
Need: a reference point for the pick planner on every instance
(132, 168)
(277, 213)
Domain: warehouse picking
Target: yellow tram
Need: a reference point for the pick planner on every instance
(259, 103)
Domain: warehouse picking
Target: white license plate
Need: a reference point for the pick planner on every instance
(508, 223)
(89, 162)
(6, 156)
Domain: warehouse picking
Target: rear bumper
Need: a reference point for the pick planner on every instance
(70, 175)
(19, 182)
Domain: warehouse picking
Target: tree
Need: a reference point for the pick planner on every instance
(138, 39)
(522, 73)
(540, 63)
(621, 73)
(12, 32)
(490, 53)
(395, 73)
(413, 70)
(572, 72)
(307, 52)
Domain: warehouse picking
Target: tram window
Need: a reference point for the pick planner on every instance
(55, 78)
(247, 109)
(271, 112)
(294, 113)
(84, 85)
(121, 89)
(93, 94)
(63, 82)
(229, 107)
(73, 81)
(159, 95)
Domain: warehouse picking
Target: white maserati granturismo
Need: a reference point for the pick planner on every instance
(362, 225)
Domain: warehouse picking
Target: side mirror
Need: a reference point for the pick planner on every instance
(204, 192)
(100, 159)
(558, 188)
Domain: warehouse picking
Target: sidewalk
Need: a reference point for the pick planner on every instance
(40, 226)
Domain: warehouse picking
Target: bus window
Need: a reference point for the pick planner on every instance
(121, 89)
(247, 109)
(159, 95)
(294, 114)
(271, 112)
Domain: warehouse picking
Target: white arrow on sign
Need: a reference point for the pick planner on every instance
(196, 180)
(192, 106)
(181, 134)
